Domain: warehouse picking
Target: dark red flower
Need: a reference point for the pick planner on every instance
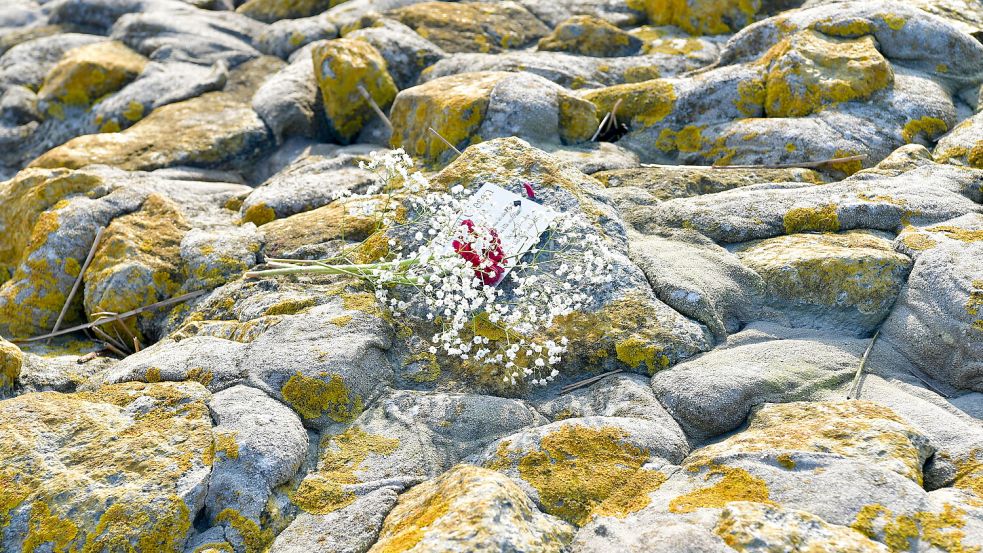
(487, 264)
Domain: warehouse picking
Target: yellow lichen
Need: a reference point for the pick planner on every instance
(929, 127)
(942, 529)
(256, 539)
(340, 67)
(454, 106)
(323, 491)
(580, 471)
(225, 443)
(809, 71)
(258, 214)
(734, 484)
(705, 17)
(647, 102)
(313, 398)
(89, 72)
(290, 307)
(807, 219)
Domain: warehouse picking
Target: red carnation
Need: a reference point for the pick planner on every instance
(487, 264)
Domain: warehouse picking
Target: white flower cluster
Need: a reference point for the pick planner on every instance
(439, 272)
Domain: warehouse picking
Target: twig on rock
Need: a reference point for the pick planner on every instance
(586, 382)
(437, 134)
(803, 164)
(854, 392)
(78, 279)
(375, 107)
(127, 315)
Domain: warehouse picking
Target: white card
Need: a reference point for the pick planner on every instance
(518, 226)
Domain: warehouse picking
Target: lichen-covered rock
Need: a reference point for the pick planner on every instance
(344, 222)
(580, 72)
(137, 263)
(872, 201)
(212, 130)
(472, 27)
(846, 281)
(407, 53)
(473, 509)
(258, 445)
(159, 84)
(700, 16)
(308, 183)
(796, 86)
(406, 438)
(578, 468)
(963, 145)
(29, 62)
(87, 73)
(590, 36)
(337, 363)
(57, 213)
(938, 321)
(103, 470)
(269, 11)
(668, 182)
(11, 361)
(351, 529)
(468, 108)
(757, 527)
(341, 67)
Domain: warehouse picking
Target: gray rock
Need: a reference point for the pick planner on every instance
(258, 445)
(159, 84)
(865, 201)
(713, 393)
(282, 38)
(622, 395)
(698, 278)
(310, 182)
(351, 529)
(190, 35)
(936, 323)
(27, 63)
(289, 101)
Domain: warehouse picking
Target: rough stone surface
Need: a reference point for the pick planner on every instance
(787, 354)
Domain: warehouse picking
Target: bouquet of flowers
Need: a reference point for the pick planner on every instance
(489, 271)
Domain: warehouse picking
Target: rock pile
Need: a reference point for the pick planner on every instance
(297, 414)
